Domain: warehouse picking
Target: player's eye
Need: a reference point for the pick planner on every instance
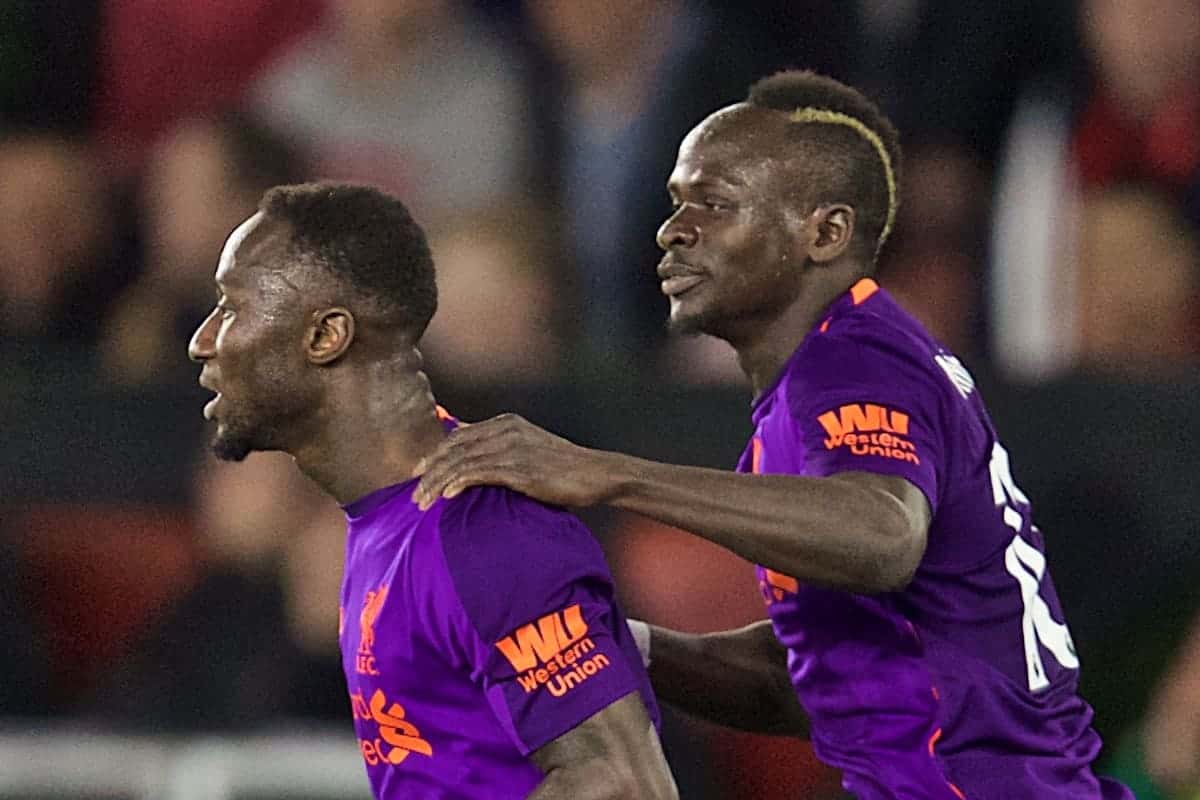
(716, 204)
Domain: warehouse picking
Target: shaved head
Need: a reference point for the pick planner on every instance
(752, 142)
(237, 237)
(756, 145)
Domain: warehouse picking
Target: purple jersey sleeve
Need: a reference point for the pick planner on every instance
(552, 648)
(859, 407)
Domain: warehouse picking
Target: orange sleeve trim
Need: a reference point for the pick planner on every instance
(824, 326)
(933, 739)
(444, 414)
(860, 291)
(957, 791)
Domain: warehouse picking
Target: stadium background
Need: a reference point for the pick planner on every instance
(168, 623)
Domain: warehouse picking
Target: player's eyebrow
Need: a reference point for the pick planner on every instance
(703, 182)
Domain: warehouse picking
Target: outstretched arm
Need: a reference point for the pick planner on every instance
(613, 754)
(736, 678)
(856, 531)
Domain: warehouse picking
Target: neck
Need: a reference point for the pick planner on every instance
(763, 354)
(374, 428)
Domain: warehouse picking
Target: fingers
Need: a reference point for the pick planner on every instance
(462, 461)
(488, 452)
(477, 472)
(467, 436)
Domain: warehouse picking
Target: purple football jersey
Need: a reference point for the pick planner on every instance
(964, 684)
(472, 634)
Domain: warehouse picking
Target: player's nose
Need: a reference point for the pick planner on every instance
(676, 233)
(203, 341)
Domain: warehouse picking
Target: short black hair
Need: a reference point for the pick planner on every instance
(368, 240)
(846, 163)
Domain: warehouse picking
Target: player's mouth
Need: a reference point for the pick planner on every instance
(680, 284)
(210, 408)
(678, 277)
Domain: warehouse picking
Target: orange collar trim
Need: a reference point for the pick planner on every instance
(860, 291)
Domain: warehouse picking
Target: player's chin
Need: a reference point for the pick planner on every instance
(686, 319)
(228, 446)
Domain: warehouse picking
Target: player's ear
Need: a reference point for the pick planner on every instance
(831, 229)
(330, 335)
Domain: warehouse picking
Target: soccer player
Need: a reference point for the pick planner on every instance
(905, 580)
(484, 652)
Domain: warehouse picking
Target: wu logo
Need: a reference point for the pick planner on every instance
(869, 429)
(554, 652)
(372, 605)
(544, 639)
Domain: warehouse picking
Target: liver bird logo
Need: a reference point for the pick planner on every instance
(372, 605)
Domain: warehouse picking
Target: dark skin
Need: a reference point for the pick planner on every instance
(735, 678)
(301, 367)
(613, 754)
(749, 261)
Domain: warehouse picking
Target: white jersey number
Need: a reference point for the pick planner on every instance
(1027, 564)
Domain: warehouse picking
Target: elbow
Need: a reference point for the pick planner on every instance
(895, 564)
(901, 534)
(894, 578)
(891, 529)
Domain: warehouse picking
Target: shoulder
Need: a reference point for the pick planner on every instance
(509, 556)
(868, 351)
(498, 526)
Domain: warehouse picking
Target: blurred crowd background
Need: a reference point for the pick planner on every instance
(1049, 233)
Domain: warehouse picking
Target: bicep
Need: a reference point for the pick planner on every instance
(613, 753)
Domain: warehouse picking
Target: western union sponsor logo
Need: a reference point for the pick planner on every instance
(554, 652)
(565, 671)
(869, 430)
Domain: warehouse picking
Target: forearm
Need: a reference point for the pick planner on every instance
(734, 678)
(826, 531)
